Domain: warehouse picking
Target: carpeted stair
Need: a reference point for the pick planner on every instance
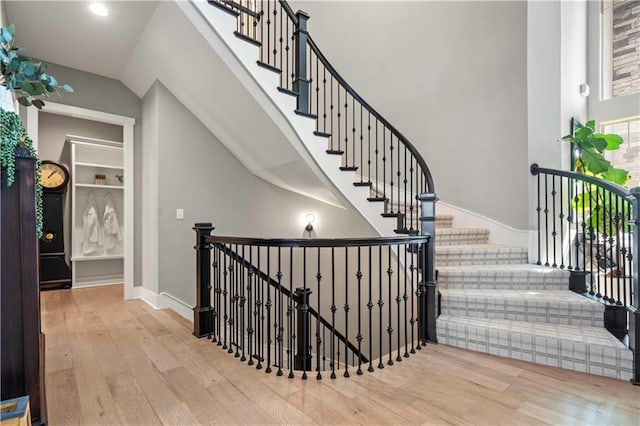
(493, 301)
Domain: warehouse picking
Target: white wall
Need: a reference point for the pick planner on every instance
(557, 63)
(3, 15)
(198, 174)
(451, 76)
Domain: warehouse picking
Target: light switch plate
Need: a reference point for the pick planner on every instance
(180, 214)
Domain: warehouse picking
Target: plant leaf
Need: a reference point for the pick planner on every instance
(598, 143)
(38, 103)
(5, 35)
(24, 101)
(67, 88)
(12, 29)
(613, 141)
(583, 132)
(29, 70)
(594, 161)
(591, 124)
(614, 175)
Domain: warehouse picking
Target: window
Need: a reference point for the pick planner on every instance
(613, 54)
(620, 28)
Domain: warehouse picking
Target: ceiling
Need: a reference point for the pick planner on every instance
(68, 33)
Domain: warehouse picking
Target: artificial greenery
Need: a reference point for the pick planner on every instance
(12, 136)
(21, 75)
(605, 213)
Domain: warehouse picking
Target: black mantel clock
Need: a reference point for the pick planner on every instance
(54, 271)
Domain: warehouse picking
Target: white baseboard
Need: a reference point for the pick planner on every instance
(499, 232)
(163, 301)
(98, 281)
(181, 308)
(147, 295)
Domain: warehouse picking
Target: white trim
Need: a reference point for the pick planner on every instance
(163, 301)
(99, 281)
(32, 126)
(127, 124)
(181, 308)
(147, 295)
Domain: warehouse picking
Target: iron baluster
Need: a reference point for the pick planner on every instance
(359, 336)
(279, 275)
(268, 306)
(333, 313)
(561, 217)
(290, 313)
(380, 306)
(370, 307)
(389, 285)
(538, 210)
(318, 340)
(592, 236)
(346, 310)
(546, 220)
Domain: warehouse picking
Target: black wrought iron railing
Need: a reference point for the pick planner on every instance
(317, 305)
(591, 227)
(382, 157)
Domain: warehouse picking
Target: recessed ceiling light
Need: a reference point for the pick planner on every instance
(99, 9)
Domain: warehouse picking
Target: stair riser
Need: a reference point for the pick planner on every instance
(570, 355)
(519, 310)
(450, 239)
(493, 282)
(480, 258)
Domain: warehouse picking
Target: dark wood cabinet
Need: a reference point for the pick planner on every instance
(21, 340)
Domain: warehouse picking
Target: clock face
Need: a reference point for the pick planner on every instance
(53, 175)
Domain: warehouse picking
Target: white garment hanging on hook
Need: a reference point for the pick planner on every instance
(110, 225)
(91, 231)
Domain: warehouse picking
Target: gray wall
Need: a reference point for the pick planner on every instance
(451, 76)
(197, 173)
(52, 132)
(99, 93)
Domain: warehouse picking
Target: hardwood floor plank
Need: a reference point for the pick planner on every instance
(169, 408)
(63, 399)
(131, 403)
(205, 408)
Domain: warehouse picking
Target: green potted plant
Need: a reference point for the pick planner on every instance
(28, 81)
(602, 218)
(21, 75)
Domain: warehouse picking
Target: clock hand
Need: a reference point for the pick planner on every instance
(52, 173)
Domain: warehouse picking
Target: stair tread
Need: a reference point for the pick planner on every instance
(589, 335)
(541, 298)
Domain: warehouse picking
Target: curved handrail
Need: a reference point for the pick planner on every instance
(273, 283)
(412, 149)
(290, 12)
(320, 242)
(610, 186)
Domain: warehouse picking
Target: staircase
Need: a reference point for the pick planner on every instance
(492, 301)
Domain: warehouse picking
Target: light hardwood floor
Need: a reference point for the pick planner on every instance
(114, 362)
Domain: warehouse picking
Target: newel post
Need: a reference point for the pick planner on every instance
(429, 299)
(302, 358)
(301, 83)
(634, 307)
(202, 324)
